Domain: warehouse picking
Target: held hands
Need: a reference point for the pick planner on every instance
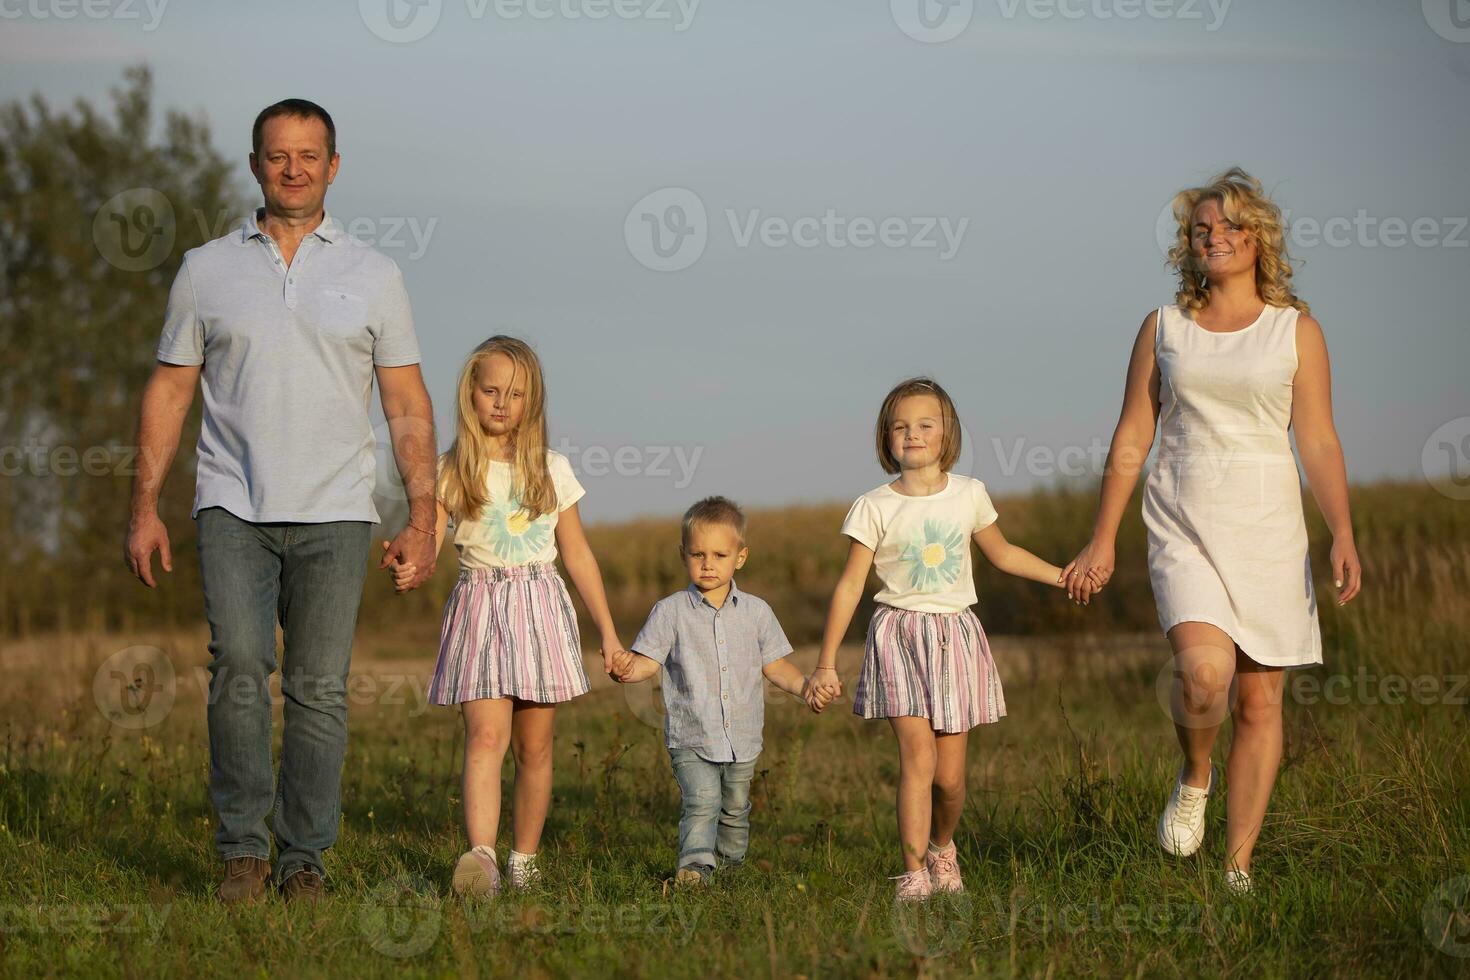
(618, 664)
(821, 688)
(404, 573)
(1086, 574)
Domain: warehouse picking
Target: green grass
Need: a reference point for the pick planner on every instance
(107, 863)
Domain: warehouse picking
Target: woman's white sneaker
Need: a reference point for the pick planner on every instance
(1238, 881)
(1182, 824)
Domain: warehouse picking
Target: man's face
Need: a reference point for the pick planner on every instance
(292, 167)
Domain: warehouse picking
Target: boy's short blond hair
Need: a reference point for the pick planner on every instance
(713, 510)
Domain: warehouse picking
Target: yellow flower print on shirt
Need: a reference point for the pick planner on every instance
(514, 537)
(935, 557)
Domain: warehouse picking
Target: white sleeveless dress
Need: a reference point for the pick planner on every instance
(1227, 542)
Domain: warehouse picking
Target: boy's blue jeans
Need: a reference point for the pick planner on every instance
(714, 828)
(309, 576)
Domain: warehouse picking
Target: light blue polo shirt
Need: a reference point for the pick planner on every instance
(288, 357)
(714, 691)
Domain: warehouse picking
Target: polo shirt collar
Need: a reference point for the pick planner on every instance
(696, 598)
(329, 231)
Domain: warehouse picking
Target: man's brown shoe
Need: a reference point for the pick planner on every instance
(303, 886)
(245, 879)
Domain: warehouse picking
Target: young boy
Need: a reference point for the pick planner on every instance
(714, 643)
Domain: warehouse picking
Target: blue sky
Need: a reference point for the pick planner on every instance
(502, 157)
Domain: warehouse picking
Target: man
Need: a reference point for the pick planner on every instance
(286, 320)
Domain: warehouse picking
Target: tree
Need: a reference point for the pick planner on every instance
(95, 216)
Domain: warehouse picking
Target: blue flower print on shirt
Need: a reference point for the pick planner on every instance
(934, 558)
(514, 537)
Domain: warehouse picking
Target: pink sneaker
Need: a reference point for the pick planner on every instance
(913, 886)
(476, 873)
(944, 869)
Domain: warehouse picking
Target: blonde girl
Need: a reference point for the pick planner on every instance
(509, 649)
(926, 666)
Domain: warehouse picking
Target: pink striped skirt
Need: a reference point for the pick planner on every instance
(933, 665)
(509, 632)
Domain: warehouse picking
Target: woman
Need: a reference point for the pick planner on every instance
(1229, 369)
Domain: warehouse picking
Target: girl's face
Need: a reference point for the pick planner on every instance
(916, 433)
(1220, 246)
(499, 395)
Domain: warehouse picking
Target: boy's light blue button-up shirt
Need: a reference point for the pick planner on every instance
(713, 688)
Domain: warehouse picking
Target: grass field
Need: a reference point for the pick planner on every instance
(107, 865)
(107, 862)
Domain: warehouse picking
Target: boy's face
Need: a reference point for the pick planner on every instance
(916, 434)
(712, 555)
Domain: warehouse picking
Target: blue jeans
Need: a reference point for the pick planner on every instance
(714, 828)
(309, 576)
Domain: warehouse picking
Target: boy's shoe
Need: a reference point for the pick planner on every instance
(944, 870)
(692, 874)
(1238, 881)
(913, 886)
(1182, 824)
(476, 874)
(304, 887)
(245, 879)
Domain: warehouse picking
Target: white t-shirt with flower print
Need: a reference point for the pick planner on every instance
(503, 536)
(921, 545)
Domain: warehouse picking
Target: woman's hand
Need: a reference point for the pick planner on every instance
(1347, 571)
(1088, 572)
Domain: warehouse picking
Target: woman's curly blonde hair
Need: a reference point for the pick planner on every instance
(1244, 202)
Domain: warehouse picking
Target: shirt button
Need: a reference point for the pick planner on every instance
(722, 668)
(724, 697)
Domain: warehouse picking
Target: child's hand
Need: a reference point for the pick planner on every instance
(815, 697)
(616, 662)
(824, 686)
(402, 573)
(622, 665)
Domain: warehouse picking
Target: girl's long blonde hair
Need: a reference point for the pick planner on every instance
(462, 485)
(1244, 202)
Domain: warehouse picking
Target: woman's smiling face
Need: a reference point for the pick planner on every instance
(1220, 246)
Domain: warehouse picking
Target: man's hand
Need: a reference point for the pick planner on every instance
(413, 547)
(145, 535)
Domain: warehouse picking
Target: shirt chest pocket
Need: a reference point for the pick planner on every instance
(339, 314)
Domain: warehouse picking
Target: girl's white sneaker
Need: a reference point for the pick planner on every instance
(913, 886)
(1182, 824)
(476, 874)
(1238, 881)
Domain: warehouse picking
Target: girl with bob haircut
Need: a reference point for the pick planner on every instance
(926, 664)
